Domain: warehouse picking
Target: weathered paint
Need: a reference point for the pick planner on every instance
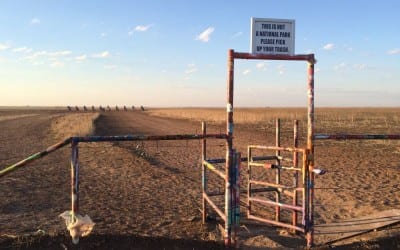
(203, 171)
(310, 147)
(357, 137)
(278, 170)
(33, 157)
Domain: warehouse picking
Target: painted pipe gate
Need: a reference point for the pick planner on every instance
(308, 153)
(231, 176)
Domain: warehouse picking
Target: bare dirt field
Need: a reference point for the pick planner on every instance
(148, 195)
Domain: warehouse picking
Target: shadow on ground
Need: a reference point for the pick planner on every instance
(63, 241)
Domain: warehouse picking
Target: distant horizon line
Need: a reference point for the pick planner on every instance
(172, 107)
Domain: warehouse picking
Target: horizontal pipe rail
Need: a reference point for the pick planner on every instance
(273, 203)
(212, 204)
(244, 159)
(308, 57)
(273, 166)
(67, 141)
(355, 137)
(300, 150)
(269, 184)
(148, 137)
(33, 157)
(213, 169)
(255, 190)
(277, 223)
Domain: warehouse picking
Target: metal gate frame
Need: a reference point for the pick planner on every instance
(310, 59)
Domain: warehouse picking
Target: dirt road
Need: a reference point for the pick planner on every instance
(146, 194)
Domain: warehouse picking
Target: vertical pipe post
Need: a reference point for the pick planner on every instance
(74, 182)
(236, 211)
(229, 147)
(249, 160)
(305, 177)
(278, 171)
(296, 165)
(74, 178)
(310, 147)
(203, 171)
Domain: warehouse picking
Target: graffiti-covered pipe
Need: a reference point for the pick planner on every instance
(148, 137)
(278, 170)
(300, 150)
(203, 171)
(273, 203)
(229, 149)
(33, 157)
(277, 223)
(212, 204)
(249, 187)
(295, 165)
(308, 57)
(74, 178)
(74, 183)
(237, 200)
(310, 147)
(356, 137)
(213, 169)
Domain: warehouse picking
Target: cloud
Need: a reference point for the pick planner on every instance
(205, 35)
(104, 54)
(261, 66)
(80, 58)
(35, 21)
(246, 72)
(59, 53)
(4, 46)
(237, 34)
(395, 51)
(328, 46)
(103, 34)
(22, 50)
(142, 28)
(191, 68)
(51, 54)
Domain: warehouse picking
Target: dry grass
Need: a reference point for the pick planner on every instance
(363, 120)
(68, 125)
(241, 115)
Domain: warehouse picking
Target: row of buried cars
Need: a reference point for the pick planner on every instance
(104, 109)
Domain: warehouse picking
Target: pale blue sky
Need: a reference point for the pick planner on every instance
(174, 53)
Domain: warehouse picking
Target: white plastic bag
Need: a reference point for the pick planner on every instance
(77, 225)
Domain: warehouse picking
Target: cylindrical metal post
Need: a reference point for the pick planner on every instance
(74, 183)
(229, 148)
(278, 171)
(296, 165)
(203, 171)
(74, 178)
(310, 146)
(249, 160)
(236, 195)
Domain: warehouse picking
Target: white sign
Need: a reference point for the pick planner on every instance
(272, 36)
